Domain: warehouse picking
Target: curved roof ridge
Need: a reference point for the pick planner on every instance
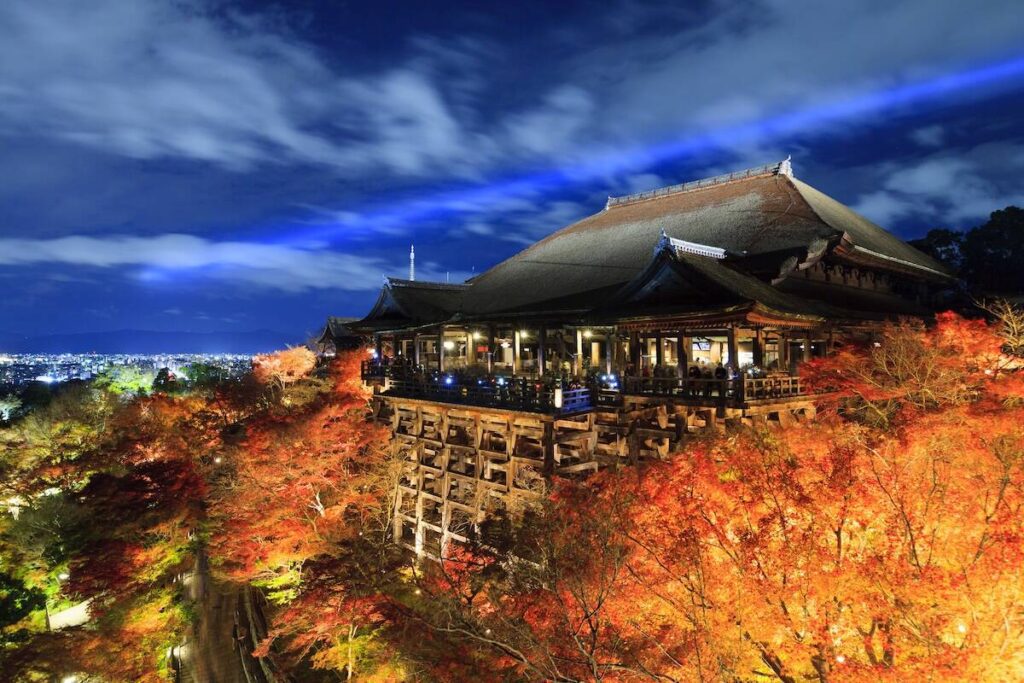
(423, 284)
(783, 167)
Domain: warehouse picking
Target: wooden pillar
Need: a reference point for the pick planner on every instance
(733, 351)
(806, 356)
(783, 351)
(490, 348)
(561, 349)
(657, 350)
(517, 361)
(634, 351)
(378, 346)
(609, 350)
(416, 349)
(682, 354)
(440, 349)
(830, 344)
(541, 344)
(758, 347)
(470, 348)
(578, 370)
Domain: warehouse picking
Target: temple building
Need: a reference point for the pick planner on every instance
(672, 311)
(337, 336)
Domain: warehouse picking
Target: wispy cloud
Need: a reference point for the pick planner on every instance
(176, 258)
(950, 190)
(153, 79)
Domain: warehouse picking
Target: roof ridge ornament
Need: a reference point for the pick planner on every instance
(677, 246)
(783, 167)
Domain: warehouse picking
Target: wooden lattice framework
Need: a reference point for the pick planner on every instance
(461, 463)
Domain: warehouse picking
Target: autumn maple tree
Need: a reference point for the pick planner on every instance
(881, 542)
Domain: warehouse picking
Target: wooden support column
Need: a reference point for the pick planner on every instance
(491, 351)
(517, 361)
(682, 354)
(440, 349)
(578, 370)
(733, 349)
(561, 349)
(416, 349)
(658, 360)
(548, 444)
(758, 347)
(609, 350)
(634, 351)
(541, 348)
(378, 346)
(783, 351)
(470, 348)
(806, 356)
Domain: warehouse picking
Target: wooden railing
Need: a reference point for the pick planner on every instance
(372, 370)
(519, 394)
(760, 388)
(737, 390)
(536, 395)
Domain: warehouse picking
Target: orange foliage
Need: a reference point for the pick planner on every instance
(284, 367)
(834, 551)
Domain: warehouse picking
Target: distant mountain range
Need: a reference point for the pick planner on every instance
(147, 341)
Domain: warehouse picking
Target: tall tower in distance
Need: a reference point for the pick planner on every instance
(412, 262)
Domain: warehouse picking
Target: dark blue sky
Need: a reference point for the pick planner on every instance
(219, 166)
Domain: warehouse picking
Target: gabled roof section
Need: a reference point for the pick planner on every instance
(337, 328)
(758, 213)
(411, 303)
(677, 282)
(864, 241)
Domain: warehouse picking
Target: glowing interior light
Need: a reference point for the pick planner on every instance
(449, 345)
(449, 379)
(588, 334)
(477, 335)
(522, 333)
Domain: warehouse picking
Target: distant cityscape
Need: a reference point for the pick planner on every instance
(17, 370)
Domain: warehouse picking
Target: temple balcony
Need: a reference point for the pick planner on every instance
(550, 396)
(521, 394)
(701, 391)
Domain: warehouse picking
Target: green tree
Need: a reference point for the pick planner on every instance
(124, 380)
(203, 374)
(166, 382)
(17, 601)
(992, 253)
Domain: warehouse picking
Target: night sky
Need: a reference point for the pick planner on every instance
(217, 166)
